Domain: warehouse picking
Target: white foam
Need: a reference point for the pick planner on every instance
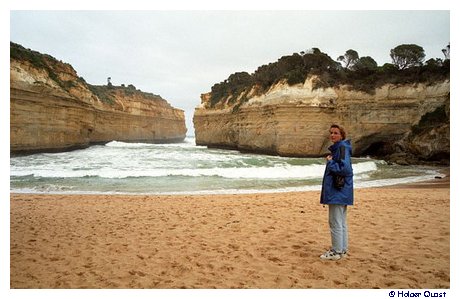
(189, 142)
(274, 172)
(176, 162)
(397, 181)
(358, 185)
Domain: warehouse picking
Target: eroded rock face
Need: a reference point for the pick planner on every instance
(294, 120)
(61, 113)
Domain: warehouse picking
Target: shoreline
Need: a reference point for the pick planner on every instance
(435, 182)
(399, 238)
(441, 182)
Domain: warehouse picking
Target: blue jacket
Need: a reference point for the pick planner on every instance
(340, 165)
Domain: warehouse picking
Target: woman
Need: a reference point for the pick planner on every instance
(337, 191)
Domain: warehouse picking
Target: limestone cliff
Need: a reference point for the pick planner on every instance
(52, 109)
(294, 120)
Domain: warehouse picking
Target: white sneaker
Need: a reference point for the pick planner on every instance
(331, 255)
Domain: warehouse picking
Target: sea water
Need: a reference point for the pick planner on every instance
(184, 168)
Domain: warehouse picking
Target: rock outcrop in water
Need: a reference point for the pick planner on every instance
(406, 123)
(52, 109)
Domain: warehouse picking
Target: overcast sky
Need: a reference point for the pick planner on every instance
(181, 54)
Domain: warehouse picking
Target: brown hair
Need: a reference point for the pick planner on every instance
(341, 129)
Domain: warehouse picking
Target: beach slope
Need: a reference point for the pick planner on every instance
(399, 238)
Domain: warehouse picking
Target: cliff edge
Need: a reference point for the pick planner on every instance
(405, 123)
(52, 109)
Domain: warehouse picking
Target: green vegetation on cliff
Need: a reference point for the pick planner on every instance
(360, 73)
(105, 93)
(43, 61)
(431, 119)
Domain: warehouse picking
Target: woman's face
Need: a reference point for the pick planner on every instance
(335, 135)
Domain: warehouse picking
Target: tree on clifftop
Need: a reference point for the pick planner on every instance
(446, 52)
(350, 58)
(365, 62)
(407, 55)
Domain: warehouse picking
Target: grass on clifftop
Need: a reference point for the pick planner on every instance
(107, 93)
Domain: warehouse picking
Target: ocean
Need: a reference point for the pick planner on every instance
(184, 168)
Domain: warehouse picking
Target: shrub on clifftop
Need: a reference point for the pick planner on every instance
(360, 73)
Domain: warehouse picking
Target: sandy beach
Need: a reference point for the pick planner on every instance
(399, 238)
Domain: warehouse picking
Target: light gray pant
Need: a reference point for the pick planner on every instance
(338, 226)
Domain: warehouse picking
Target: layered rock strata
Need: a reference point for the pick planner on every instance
(52, 109)
(294, 120)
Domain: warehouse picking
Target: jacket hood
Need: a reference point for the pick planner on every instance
(346, 143)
